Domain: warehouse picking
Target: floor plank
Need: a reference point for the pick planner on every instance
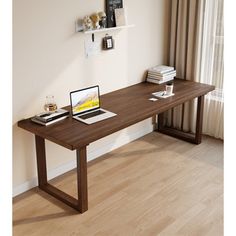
(156, 185)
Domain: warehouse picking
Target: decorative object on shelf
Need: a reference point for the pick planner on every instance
(50, 104)
(95, 20)
(120, 17)
(111, 5)
(87, 23)
(108, 42)
(79, 25)
(103, 19)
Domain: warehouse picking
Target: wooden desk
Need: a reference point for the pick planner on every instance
(131, 105)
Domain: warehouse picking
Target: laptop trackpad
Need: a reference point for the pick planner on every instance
(91, 114)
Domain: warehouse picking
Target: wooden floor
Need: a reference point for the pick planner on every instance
(156, 185)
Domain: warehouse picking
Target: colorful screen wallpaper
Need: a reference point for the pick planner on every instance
(85, 100)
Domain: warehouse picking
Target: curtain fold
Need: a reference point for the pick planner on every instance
(212, 67)
(196, 57)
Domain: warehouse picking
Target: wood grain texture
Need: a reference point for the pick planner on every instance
(131, 105)
(41, 160)
(156, 185)
(81, 203)
(81, 156)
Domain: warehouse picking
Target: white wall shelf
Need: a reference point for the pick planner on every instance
(79, 29)
(107, 29)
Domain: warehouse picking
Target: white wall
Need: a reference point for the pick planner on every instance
(49, 59)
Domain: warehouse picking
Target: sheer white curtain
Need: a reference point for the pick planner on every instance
(210, 66)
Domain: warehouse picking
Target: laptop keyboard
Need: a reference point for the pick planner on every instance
(91, 114)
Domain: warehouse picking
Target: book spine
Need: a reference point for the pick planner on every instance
(48, 123)
(51, 118)
(153, 81)
(54, 121)
(162, 70)
(162, 75)
(158, 81)
(161, 78)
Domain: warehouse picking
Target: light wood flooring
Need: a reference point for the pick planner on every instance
(156, 185)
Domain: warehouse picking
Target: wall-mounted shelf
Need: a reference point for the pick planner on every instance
(107, 29)
(79, 29)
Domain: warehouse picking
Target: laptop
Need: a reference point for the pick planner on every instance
(85, 106)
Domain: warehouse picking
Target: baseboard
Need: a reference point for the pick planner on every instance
(93, 154)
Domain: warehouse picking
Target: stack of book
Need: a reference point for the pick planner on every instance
(47, 118)
(161, 74)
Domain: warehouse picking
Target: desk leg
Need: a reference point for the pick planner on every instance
(189, 137)
(160, 123)
(41, 160)
(200, 106)
(82, 179)
(80, 204)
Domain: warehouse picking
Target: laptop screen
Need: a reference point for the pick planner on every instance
(84, 100)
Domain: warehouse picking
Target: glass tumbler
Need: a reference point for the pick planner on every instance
(50, 104)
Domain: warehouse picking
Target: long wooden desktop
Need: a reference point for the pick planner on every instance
(131, 105)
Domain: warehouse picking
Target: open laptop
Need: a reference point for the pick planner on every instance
(85, 106)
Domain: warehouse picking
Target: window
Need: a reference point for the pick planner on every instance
(218, 57)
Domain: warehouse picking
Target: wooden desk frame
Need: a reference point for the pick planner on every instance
(192, 138)
(80, 204)
(66, 132)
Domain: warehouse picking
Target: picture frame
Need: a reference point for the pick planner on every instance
(120, 17)
(111, 5)
(108, 43)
